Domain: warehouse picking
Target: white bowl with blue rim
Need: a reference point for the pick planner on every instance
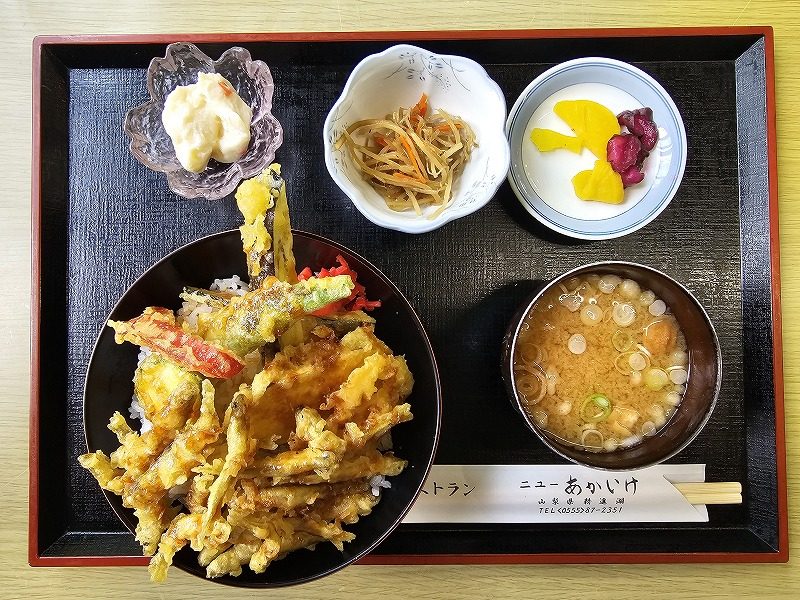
(398, 76)
(543, 180)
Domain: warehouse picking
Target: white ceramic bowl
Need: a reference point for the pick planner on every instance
(397, 77)
(543, 180)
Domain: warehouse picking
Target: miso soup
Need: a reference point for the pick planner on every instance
(600, 362)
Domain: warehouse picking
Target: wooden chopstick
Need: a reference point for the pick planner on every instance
(723, 492)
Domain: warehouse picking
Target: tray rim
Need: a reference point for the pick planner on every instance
(36, 559)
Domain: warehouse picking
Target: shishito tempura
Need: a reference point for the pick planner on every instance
(262, 421)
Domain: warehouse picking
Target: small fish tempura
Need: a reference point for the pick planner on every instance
(268, 409)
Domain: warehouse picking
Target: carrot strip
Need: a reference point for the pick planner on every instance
(412, 156)
(411, 159)
(421, 107)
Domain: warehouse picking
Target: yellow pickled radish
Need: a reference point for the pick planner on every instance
(601, 184)
(592, 123)
(546, 140)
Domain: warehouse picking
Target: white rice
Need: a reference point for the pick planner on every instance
(231, 284)
(137, 412)
(188, 312)
(377, 482)
(143, 353)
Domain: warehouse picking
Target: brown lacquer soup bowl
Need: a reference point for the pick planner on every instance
(698, 377)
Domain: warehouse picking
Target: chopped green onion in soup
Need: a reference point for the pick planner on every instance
(614, 365)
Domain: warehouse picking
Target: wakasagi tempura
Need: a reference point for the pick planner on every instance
(264, 411)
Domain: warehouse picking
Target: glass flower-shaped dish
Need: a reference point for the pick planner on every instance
(152, 146)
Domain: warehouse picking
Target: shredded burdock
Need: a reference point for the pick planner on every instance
(412, 158)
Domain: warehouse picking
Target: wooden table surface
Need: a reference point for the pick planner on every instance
(21, 20)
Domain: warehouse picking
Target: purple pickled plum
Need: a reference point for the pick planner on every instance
(622, 151)
(639, 119)
(640, 158)
(628, 151)
(646, 130)
(625, 118)
(631, 176)
(645, 111)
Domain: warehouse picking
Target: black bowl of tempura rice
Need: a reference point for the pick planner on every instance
(613, 365)
(109, 388)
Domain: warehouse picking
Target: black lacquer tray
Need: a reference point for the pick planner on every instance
(100, 219)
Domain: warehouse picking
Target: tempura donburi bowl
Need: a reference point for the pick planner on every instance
(111, 368)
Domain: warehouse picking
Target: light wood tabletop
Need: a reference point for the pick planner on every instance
(21, 20)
